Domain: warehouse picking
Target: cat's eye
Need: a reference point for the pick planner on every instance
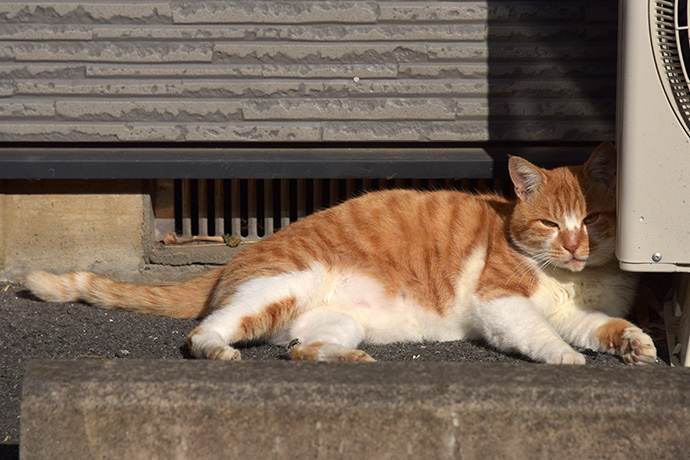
(590, 219)
(548, 223)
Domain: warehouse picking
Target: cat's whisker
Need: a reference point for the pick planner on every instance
(524, 264)
(529, 268)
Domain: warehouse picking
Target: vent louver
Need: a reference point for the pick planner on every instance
(251, 209)
(673, 53)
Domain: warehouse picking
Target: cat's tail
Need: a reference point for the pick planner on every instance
(187, 300)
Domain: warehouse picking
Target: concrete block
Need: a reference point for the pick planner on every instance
(301, 71)
(145, 132)
(407, 88)
(350, 109)
(152, 110)
(547, 109)
(39, 32)
(383, 131)
(17, 109)
(173, 32)
(177, 256)
(373, 33)
(433, 11)
(516, 52)
(113, 51)
(47, 71)
(551, 130)
(189, 89)
(153, 71)
(88, 132)
(502, 70)
(47, 226)
(347, 53)
(249, 89)
(253, 132)
(141, 12)
(7, 53)
(202, 409)
(7, 89)
(480, 11)
(573, 89)
(275, 12)
(449, 71)
(267, 70)
(422, 130)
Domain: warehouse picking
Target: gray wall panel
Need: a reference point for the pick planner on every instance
(313, 71)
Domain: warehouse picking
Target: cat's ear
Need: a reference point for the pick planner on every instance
(525, 176)
(601, 165)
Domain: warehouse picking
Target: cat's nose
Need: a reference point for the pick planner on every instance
(572, 248)
(571, 243)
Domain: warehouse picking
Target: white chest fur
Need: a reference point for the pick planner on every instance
(606, 289)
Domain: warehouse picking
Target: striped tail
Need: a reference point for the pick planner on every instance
(187, 300)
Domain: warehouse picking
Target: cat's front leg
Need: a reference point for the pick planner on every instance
(320, 351)
(514, 324)
(600, 332)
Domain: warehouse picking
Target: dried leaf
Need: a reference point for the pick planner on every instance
(231, 240)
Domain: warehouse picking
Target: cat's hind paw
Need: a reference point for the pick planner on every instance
(568, 357)
(208, 344)
(637, 347)
(226, 354)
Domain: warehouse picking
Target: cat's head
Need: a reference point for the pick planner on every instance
(566, 217)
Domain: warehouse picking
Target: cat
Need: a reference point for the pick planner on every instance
(532, 275)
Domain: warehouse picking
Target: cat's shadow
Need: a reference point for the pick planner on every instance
(27, 295)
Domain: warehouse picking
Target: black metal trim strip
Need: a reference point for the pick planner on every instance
(272, 163)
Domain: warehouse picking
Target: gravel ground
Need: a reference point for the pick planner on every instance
(36, 330)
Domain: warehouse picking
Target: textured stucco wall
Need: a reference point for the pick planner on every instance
(318, 71)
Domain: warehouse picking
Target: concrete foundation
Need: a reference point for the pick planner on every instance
(59, 226)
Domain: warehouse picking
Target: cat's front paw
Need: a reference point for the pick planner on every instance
(355, 355)
(319, 351)
(637, 347)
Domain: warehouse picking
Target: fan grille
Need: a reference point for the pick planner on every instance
(673, 52)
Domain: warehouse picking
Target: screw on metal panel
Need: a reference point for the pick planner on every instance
(656, 257)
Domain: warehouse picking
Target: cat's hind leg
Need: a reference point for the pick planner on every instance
(238, 323)
(327, 335)
(257, 310)
(282, 308)
(210, 344)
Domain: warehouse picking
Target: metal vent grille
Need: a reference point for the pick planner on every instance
(251, 209)
(673, 47)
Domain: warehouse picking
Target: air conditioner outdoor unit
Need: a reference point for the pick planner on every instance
(653, 139)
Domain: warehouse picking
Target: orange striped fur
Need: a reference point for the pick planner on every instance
(270, 319)
(412, 265)
(189, 300)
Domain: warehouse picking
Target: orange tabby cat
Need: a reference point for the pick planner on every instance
(531, 275)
